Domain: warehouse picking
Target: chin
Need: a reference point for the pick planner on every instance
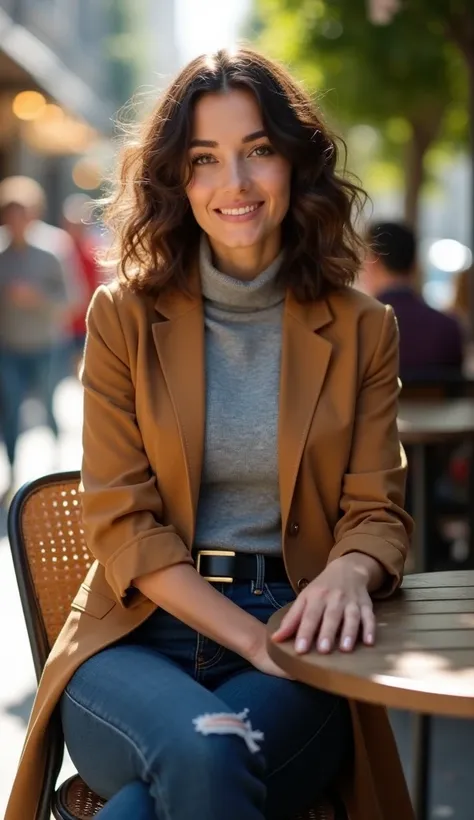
(240, 238)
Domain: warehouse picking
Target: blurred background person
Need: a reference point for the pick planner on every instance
(77, 209)
(33, 302)
(30, 194)
(431, 343)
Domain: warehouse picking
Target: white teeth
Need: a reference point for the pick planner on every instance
(238, 211)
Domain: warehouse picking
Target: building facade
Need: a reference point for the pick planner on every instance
(62, 78)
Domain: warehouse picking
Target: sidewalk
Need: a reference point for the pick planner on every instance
(453, 746)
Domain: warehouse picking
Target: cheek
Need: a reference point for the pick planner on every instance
(199, 195)
(277, 181)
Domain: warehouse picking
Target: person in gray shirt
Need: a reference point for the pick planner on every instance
(33, 304)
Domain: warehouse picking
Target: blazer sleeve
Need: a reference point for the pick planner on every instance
(122, 507)
(373, 520)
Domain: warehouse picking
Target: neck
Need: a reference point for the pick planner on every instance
(18, 241)
(245, 263)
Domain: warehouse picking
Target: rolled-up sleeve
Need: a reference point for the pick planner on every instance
(373, 520)
(122, 507)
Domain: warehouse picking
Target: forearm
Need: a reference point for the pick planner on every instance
(182, 592)
(372, 571)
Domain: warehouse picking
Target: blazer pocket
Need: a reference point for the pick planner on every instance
(93, 603)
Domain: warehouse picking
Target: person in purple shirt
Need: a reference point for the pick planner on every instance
(431, 343)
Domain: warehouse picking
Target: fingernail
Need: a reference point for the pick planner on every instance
(347, 643)
(301, 645)
(369, 639)
(324, 645)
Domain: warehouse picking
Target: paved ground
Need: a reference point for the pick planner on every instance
(453, 742)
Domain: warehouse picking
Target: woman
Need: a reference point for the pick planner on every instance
(240, 399)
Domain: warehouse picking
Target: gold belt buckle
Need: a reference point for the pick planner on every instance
(215, 579)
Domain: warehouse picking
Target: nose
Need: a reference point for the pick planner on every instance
(236, 175)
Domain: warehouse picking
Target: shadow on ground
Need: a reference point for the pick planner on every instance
(22, 708)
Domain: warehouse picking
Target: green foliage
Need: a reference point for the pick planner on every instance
(398, 77)
(124, 47)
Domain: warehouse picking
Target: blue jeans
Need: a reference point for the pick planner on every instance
(23, 373)
(129, 716)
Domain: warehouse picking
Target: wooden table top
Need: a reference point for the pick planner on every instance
(423, 659)
(425, 422)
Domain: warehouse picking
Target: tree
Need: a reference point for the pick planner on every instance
(405, 72)
(456, 19)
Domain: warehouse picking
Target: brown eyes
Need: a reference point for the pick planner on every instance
(202, 159)
(208, 159)
(263, 151)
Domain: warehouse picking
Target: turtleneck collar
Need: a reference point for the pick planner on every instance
(234, 294)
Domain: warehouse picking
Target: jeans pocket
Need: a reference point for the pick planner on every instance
(278, 594)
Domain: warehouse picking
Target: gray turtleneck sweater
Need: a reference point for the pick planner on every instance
(239, 504)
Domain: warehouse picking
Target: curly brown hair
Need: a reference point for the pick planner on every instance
(154, 230)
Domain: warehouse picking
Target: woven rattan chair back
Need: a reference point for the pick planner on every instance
(56, 550)
(50, 555)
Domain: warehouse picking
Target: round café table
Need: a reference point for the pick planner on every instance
(423, 659)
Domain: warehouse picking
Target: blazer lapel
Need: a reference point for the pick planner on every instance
(305, 359)
(179, 340)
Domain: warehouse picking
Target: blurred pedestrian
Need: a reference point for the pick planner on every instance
(76, 215)
(33, 301)
(30, 194)
(431, 343)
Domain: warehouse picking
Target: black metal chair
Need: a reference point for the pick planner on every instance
(51, 557)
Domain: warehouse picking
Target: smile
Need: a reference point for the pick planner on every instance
(242, 214)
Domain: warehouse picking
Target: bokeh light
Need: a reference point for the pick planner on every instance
(449, 255)
(87, 174)
(28, 105)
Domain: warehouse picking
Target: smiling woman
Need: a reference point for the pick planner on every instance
(241, 453)
(234, 131)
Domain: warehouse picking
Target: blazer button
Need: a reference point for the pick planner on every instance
(302, 584)
(293, 528)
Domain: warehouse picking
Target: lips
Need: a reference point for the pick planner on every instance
(241, 213)
(240, 210)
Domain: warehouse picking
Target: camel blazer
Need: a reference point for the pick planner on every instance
(341, 477)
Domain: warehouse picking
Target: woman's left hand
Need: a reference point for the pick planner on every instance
(335, 606)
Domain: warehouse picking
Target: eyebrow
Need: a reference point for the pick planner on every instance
(256, 135)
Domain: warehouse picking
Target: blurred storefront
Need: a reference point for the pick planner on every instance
(61, 83)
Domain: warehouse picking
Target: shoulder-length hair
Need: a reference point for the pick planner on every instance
(155, 235)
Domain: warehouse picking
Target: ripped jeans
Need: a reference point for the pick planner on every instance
(158, 725)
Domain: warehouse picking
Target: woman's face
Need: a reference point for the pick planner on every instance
(240, 189)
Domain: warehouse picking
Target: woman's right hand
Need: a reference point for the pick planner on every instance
(182, 592)
(265, 664)
(261, 660)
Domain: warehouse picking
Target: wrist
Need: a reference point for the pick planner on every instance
(371, 570)
(252, 641)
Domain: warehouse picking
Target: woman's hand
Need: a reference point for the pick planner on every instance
(335, 606)
(263, 662)
(182, 592)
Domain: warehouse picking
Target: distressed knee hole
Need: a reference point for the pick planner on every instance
(226, 723)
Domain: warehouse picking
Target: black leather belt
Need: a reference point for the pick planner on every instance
(224, 566)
